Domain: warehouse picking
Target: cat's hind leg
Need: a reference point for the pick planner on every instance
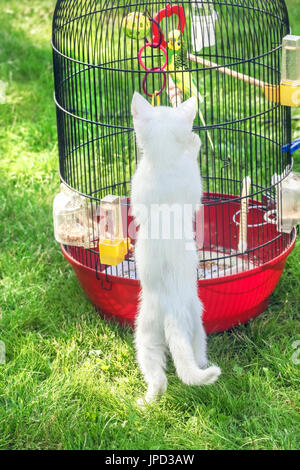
(199, 346)
(151, 358)
(199, 336)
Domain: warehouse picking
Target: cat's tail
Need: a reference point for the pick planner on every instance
(183, 356)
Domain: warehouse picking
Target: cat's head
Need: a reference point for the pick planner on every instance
(163, 129)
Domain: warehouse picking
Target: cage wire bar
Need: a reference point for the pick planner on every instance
(96, 70)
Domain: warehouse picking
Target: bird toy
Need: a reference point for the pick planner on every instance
(155, 45)
(166, 13)
(136, 25)
(175, 52)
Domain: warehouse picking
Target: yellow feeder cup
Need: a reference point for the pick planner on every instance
(113, 247)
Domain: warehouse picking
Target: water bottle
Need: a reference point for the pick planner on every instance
(203, 25)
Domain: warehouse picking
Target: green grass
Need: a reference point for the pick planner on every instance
(70, 380)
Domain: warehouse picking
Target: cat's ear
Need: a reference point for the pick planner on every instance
(139, 106)
(189, 108)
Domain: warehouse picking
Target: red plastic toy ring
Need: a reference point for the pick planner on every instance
(149, 44)
(145, 82)
(166, 12)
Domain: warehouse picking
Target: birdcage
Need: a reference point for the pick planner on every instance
(229, 55)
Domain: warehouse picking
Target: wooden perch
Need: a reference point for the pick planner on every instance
(243, 235)
(272, 92)
(227, 71)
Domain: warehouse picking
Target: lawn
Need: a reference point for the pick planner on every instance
(70, 380)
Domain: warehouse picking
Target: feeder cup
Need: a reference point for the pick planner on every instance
(290, 79)
(113, 247)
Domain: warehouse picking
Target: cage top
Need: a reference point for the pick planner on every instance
(92, 32)
(72, 8)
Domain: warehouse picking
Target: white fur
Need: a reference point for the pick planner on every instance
(170, 311)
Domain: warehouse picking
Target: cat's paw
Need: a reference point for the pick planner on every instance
(211, 375)
(151, 397)
(141, 403)
(144, 401)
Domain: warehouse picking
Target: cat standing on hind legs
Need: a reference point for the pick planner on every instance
(166, 191)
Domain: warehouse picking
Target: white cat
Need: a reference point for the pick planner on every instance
(168, 177)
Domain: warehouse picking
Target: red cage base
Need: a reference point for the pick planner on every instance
(227, 300)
